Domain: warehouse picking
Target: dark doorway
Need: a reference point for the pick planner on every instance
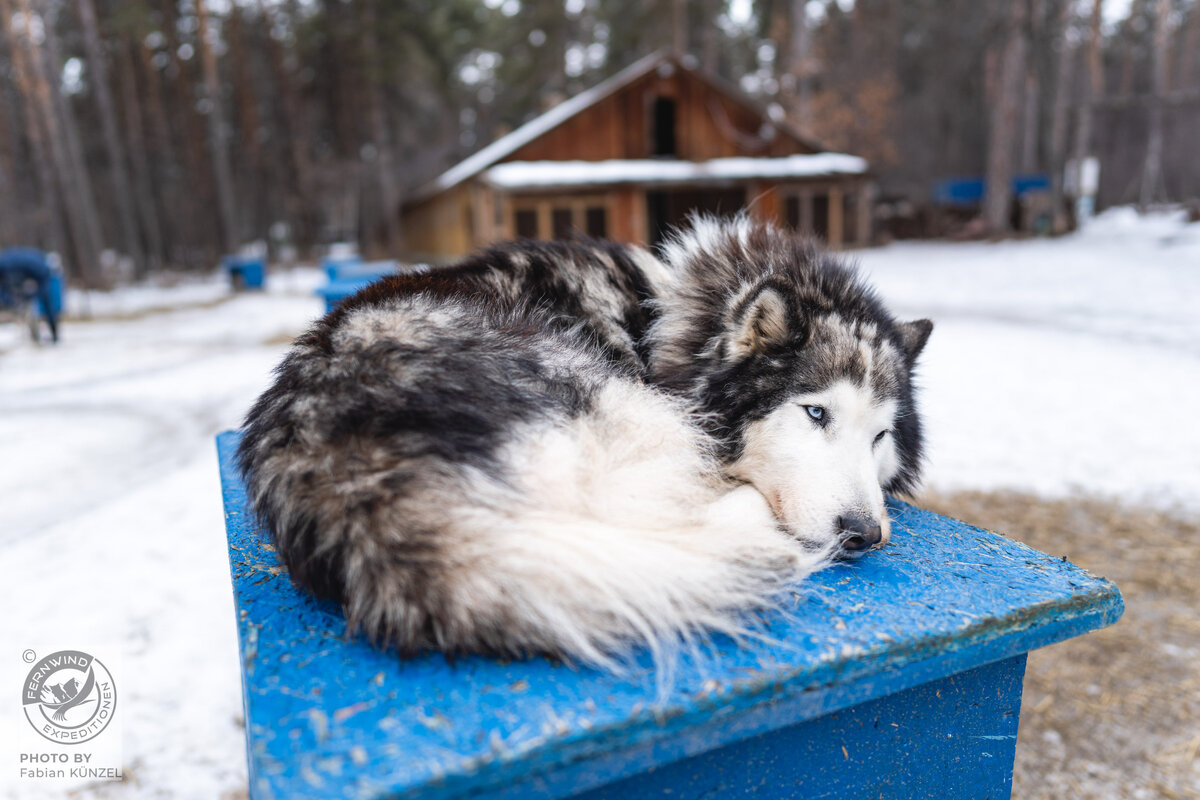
(667, 210)
(664, 127)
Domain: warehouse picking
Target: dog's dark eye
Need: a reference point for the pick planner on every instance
(816, 412)
(879, 438)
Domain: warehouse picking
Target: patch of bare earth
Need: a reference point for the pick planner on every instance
(1114, 714)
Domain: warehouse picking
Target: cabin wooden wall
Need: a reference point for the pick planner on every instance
(441, 227)
(472, 215)
(709, 124)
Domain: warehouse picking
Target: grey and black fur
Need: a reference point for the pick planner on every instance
(555, 447)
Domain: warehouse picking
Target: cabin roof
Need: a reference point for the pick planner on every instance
(544, 123)
(553, 174)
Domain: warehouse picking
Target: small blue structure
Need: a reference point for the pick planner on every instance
(348, 277)
(964, 192)
(246, 272)
(58, 288)
(371, 270)
(896, 676)
(335, 292)
(27, 275)
(333, 264)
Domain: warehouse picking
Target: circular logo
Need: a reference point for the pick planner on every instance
(69, 697)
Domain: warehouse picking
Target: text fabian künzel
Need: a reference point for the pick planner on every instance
(59, 765)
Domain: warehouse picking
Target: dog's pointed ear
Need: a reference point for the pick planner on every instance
(758, 325)
(913, 336)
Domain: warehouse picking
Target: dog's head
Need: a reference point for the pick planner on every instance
(805, 379)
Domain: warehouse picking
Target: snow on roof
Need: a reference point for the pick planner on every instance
(536, 127)
(546, 174)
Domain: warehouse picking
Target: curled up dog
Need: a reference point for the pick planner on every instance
(574, 449)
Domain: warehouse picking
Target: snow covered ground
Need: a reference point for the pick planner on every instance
(1059, 365)
(1063, 365)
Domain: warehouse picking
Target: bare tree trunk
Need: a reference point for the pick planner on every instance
(797, 67)
(112, 141)
(8, 162)
(1029, 136)
(1092, 92)
(79, 175)
(389, 189)
(37, 91)
(710, 48)
(679, 42)
(49, 231)
(217, 133)
(135, 127)
(300, 203)
(1152, 170)
(171, 199)
(1058, 122)
(253, 176)
(1007, 66)
(1191, 44)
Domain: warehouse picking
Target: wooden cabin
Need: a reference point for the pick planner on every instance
(630, 158)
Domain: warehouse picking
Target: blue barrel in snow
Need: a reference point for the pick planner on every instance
(246, 272)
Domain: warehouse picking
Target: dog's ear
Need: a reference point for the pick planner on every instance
(759, 324)
(913, 336)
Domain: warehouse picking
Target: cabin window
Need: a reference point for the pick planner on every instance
(791, 212)
(560, 217)
(526, 223)
(849, 217)
(561, 222)
(820, 215)
(596, 222)
(664, 127)
(808, 212)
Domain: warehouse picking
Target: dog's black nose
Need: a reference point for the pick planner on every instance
(859, 534)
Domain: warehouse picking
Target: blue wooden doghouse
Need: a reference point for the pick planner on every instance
(246, 272)
(348, 276)
(896, 676)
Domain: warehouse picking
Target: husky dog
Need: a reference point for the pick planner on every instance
(574, 448)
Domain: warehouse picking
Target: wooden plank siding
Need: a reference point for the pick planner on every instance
(708, 125)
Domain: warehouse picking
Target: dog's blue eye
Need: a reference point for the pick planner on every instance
(816, 412)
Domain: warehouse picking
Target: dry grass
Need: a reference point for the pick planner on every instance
(1114, 714)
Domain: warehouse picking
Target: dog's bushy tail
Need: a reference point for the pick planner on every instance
(583, 539)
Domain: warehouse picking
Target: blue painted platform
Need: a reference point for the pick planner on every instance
(895, 676)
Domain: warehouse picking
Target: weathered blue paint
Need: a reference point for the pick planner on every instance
(954, 738)
(246, 272)
(330, 716)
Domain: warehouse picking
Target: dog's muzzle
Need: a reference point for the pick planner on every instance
(858, 534)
